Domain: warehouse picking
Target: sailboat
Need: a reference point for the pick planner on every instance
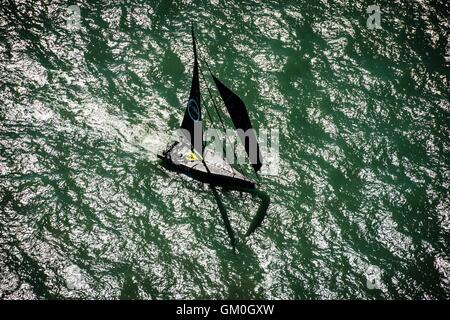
(190, 156)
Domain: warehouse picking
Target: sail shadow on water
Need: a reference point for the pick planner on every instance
(189, 155)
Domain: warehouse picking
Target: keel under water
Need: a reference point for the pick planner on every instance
(226, 220)
(261, 212)
(258, 218)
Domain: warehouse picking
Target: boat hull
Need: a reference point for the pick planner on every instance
(211, 169)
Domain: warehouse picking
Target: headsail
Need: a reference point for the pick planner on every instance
(239, 115)
(192, 121)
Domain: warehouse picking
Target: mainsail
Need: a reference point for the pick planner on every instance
(239, 115)
(193, 116)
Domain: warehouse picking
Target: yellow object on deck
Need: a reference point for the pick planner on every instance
(192, 156)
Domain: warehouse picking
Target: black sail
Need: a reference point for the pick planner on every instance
(239, 115)
(193, 115)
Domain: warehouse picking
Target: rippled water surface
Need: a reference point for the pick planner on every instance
(363, 187)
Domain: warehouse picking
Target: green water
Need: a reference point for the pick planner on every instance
(363, 115)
